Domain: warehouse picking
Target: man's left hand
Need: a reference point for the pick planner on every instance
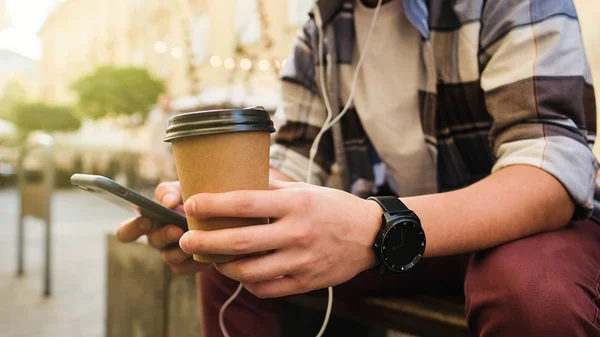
(320, 237)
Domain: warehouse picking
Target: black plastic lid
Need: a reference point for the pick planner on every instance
(218, 121)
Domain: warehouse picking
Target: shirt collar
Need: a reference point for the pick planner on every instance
(416, 12)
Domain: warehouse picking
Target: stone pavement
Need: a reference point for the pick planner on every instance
(76, 308)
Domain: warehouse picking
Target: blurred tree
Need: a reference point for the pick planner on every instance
(29, 117)
(14, 92)
(117, 90)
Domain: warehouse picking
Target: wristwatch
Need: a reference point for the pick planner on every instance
(400, 243)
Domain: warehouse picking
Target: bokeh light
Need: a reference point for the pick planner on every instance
(229, 63)
(246, 64)
(215, 61)
(160, 47)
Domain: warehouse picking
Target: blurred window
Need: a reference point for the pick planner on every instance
(247, 21)
(298, 11)
(165, 64)
(200, 28)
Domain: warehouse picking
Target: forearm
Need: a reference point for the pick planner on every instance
(512, 203)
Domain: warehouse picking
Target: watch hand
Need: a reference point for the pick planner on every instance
(401, 241)
(401, 237)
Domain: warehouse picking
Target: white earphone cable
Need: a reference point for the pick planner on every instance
(329, 123)
(224, 306)
(315, 145)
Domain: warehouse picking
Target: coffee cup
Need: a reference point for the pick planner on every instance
(221, 151)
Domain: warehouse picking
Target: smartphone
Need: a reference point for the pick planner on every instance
(128, 199)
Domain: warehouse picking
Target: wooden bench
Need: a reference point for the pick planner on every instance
(145, 299)
(418, 315)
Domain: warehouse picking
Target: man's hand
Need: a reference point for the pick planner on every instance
(320, 237)
(162, 238)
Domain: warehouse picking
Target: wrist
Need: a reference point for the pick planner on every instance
(371, 224)
(400, 243)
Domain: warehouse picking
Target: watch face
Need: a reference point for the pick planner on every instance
(403, 245)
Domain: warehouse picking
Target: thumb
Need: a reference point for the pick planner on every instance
(169, 194)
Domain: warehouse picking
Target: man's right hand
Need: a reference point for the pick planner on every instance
(169, 195)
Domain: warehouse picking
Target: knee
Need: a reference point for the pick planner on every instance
(509, 290)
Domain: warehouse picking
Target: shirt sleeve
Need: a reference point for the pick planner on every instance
(538, 89)
(300, 115)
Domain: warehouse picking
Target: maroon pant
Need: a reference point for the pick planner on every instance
(544, 285)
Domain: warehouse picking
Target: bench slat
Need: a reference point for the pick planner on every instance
(418, 315)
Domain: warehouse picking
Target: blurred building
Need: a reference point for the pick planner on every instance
(4, 17)
(588, 11)
(16, 67)
(223, 49)
(191, 44)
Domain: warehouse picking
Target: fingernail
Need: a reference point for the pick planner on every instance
(189, 207)
(169, 199)
(183, 242)
(173, 234)
(145, 224)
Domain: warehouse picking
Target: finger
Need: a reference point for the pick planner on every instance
(164, 236)
(239, 204)
(169, 194)
(132, 229)
(237, 241)
(179, 209)
(259, 269)
(188, 267)
(175, 256)
(279, 287)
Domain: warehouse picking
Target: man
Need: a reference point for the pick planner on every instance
(479, 115)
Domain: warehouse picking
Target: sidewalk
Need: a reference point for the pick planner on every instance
(76, 307)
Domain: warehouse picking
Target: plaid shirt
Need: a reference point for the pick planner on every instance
(502, 83)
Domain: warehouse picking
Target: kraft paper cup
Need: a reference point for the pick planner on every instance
(221, 151)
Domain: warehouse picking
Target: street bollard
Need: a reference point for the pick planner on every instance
(36, 176)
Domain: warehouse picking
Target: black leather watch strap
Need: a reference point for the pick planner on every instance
(390, 204)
